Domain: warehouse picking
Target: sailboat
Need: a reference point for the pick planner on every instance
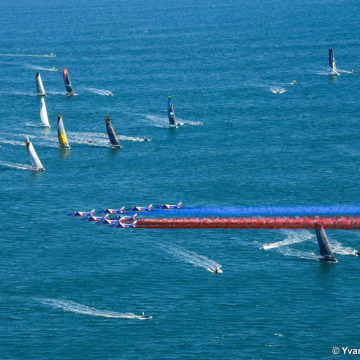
(62, 134)
(43, 113)
(326, 252)
(112, 136)
(67, 82)
(39, 85)
(171, 113)
(33, 156)
(332, 64)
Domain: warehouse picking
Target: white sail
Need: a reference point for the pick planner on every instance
(33, 156)
(39, 85)
(43, 113)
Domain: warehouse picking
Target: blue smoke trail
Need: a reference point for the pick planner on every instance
(334, 210)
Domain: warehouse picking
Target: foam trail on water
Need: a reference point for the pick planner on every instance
(338, 248)
(95, 139)
(129, 138)
(35, 67)
(28, 55)
(190, 257)
(277, 90)
(299, 254)
(82, 309)
(102, 92)
(292, 238)
(13, 142)
(158, 121)
(16, 166)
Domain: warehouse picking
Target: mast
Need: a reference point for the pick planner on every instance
(62, 134)
(324, 246)
(332, 62)
(171, 113)
(112, 136)
(43, 113)
(33, 156)
(67, 82)
(39, 85)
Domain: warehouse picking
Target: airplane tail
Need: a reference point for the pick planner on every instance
(122, 209)
(106, 216)
(134, 224)
(179, 205)
(92, 211)
(134, 217)
(149, 207)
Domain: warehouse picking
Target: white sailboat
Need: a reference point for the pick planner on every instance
(43, 113)
(37, 165)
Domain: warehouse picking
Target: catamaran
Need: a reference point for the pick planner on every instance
(43, 113)
(33, 156)
(171, 113)
(326, 252)
(332, 64)
(112, 136)
(67, 82)
(62, 134)
(39, 85)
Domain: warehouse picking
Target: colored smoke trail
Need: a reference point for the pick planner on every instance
(334, 210)
(331, 223)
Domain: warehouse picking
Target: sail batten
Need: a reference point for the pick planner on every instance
(39, 85)
(64, 144)
(112, 136)
(324, 245)
(33, 156)
(43, 113)
(67, 82)
(171, 113)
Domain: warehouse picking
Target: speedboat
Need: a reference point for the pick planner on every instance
(218, 270)
(145, 317)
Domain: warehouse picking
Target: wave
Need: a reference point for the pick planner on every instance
(85, 310)
(292, 238)
(277, 90)
(16, 166)
(190, 257)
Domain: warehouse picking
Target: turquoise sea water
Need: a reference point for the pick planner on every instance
(70, 289)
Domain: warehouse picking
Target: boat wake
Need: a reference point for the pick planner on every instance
(12, 142)
(129, 138)
(299, 254)
(34, 67)
(28, 55)
(190, 257)
(187, 122)
(85, 310)
(158, 121)
(292, 238)
(16, 166)
(99, 91)
(93, 139)
(277, 90)
(338, 248)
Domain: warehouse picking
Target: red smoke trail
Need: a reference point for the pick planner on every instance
(330, 223)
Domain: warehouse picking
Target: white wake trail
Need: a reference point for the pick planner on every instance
(86, 310)
(190, 257)
(292, 238)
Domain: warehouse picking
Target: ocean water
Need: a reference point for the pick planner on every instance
(70, 289)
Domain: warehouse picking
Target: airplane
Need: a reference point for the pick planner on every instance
(111, 211)
(79, 213)
(137, 208)
(109, 221)
(167, 206)
(125, 218)
(122, 225)
(96, 218)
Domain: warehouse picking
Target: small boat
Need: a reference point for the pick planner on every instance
(112, 136)
(64, 144)
(33, 156)
(326, 252)
(218, 270)
(39, 85)
(67, 82)
(332, 64)
(145, 317)
(43, 113)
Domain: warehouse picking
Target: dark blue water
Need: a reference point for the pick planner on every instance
(74, 290)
